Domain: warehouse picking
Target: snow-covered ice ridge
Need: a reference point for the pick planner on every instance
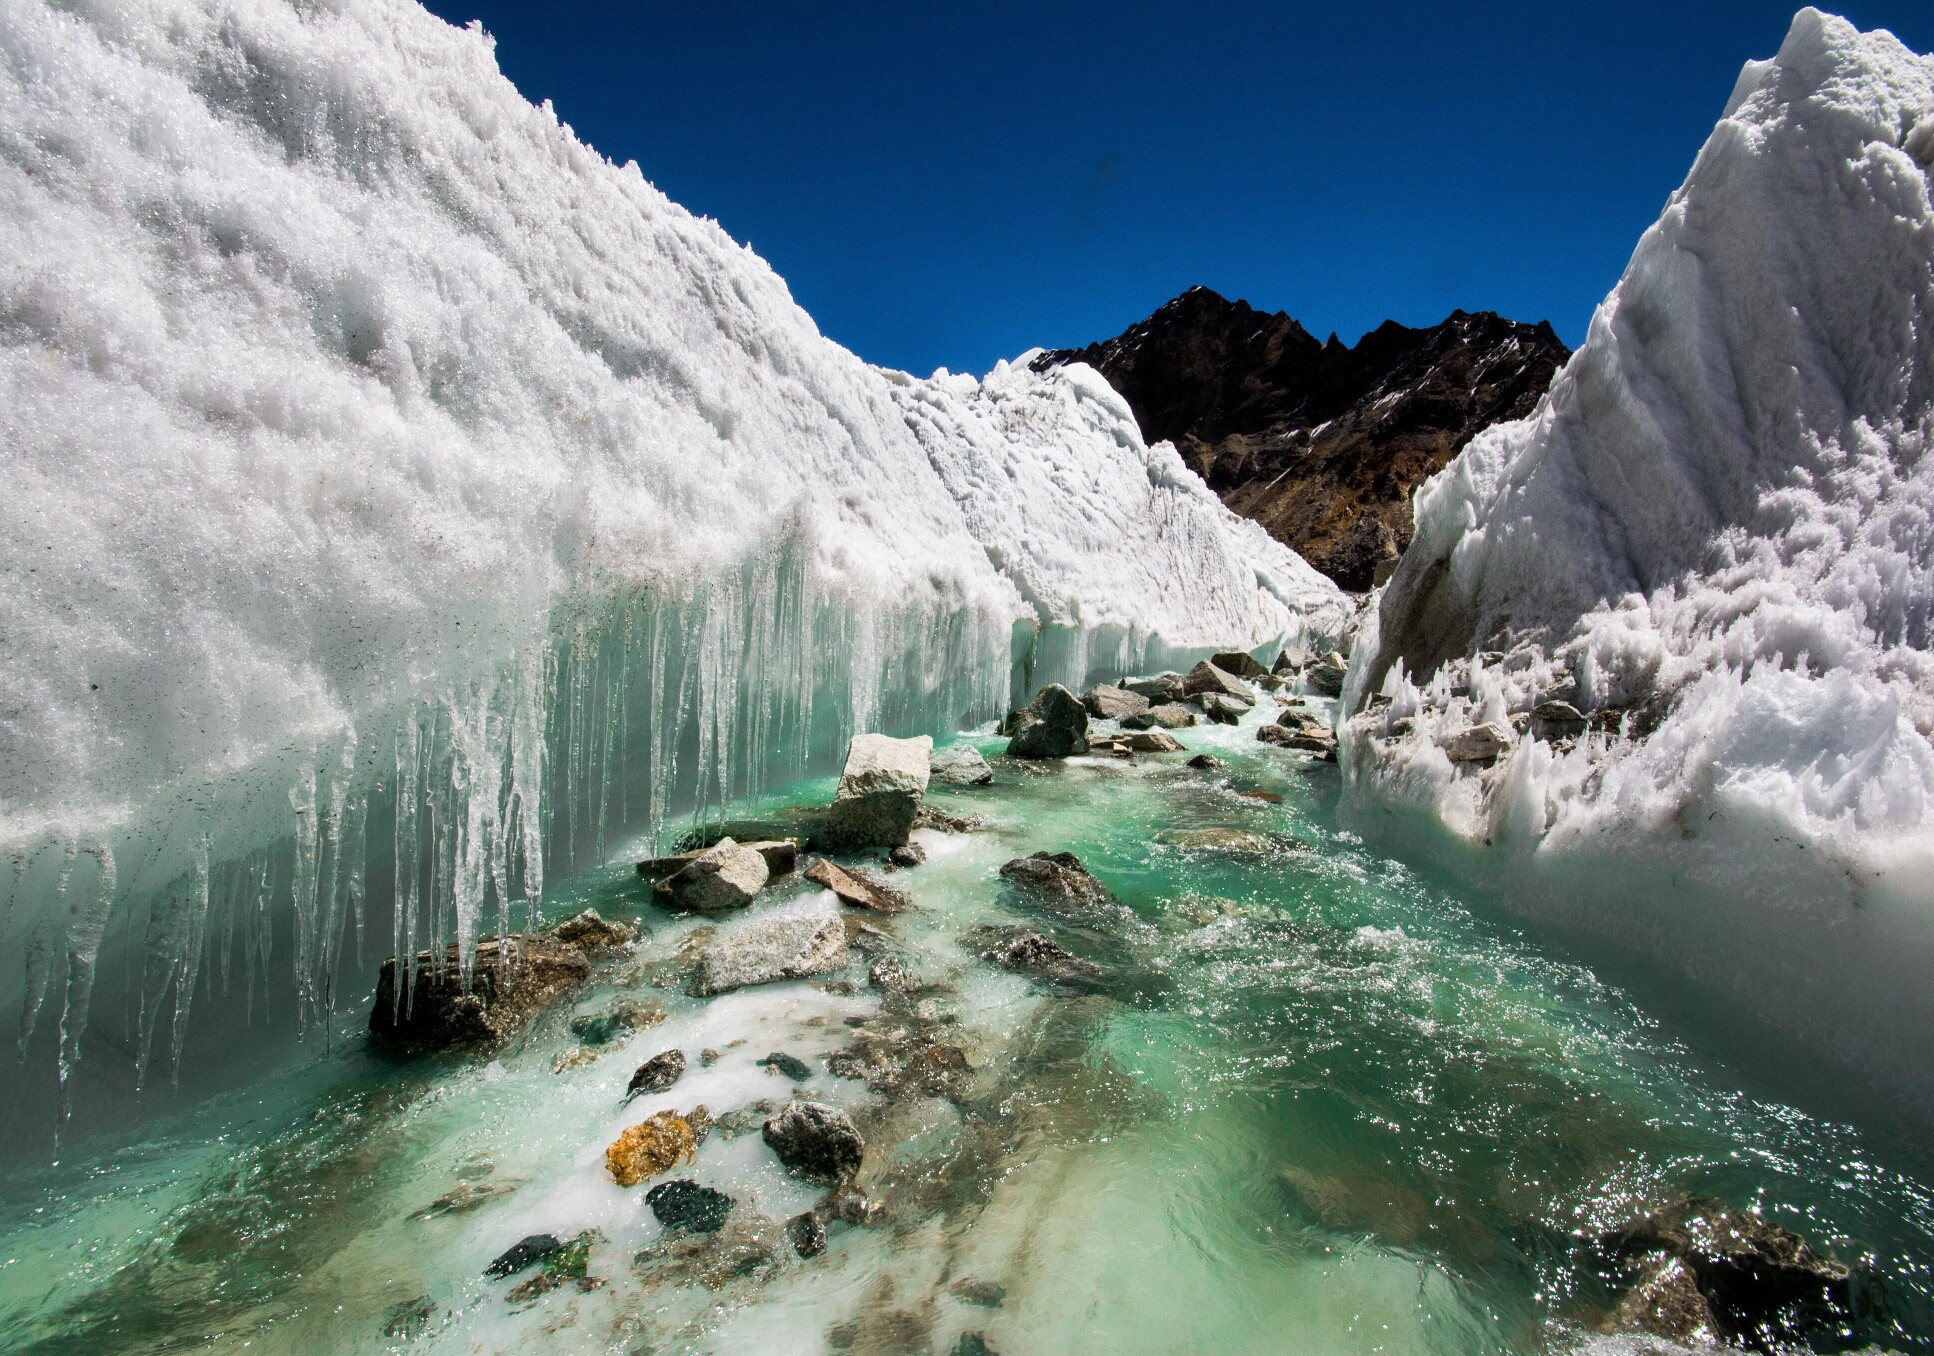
(1721, 520)
(365, 429)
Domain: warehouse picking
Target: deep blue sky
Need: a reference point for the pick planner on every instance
(951, 184)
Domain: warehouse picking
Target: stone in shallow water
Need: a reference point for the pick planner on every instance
(525, 1252)
(1105, 702)
(787, 944)
(620, 1018)
(1224, 710)
(1053, 725)
(808, 1234)
(684, 1204)
(657, 1073)
(724, 877)
(857, 888)
(1060, 881)
(816, 1140)
(790, 1065)
(1031, 954)
(1154, 741)
(1171, 716)
(501, 998)
(961, 765)
(907, 854)
(1206, 678)
(1206, 762)
(655, 1145)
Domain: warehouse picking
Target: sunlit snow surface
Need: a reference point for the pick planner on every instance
(1320, 1105)
(1723, 513)
(383, 464)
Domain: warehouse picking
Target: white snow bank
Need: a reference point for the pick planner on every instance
(364, 426)
(1717, 532)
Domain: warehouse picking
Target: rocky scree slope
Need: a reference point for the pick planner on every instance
(1320, 442)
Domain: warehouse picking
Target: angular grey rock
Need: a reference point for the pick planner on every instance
(879, 791)
(791, 942)
(1206, 677)
(907, 854)
(815, 1140)
(1171, 716)
(1224, 710)
(1206, 762)
(961, 765)
(1163, 687)
(1154, 741)
(1029, 953)
(1054, 725)
(1238, 664)
(1477, 744)
(857, 888)
(1557, 720)
(1114, 703)
(1326, 675)
(808, 1234)
(724, 877)
(1292, 660)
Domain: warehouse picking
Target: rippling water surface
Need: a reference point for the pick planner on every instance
(1314, 1104)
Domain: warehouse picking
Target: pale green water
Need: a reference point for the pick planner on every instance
(1319, 1106)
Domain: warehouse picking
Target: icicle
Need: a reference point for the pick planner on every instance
(85, 928)
(408, 860)
(302, 800)
(43, 945)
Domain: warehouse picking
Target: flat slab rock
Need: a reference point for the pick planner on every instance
(791, 942)
(512, 980)
(857, 888)
(1106, 702)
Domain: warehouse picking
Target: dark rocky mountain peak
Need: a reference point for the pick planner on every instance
(1320, 441)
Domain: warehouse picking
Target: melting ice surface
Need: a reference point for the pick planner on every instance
(1317, 1103)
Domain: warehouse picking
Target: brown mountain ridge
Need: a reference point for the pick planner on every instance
(1321, 442)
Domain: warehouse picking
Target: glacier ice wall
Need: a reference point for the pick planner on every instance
(1716, 536)
(397, 492)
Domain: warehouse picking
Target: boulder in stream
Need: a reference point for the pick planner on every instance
(816, 1140)
(500, 999)
(1171, 716)
(961, 765)
(1106, 702)
(1224, 710)
(791, 942)
(1163, 687)
(1029, 953)
(879, 790)
(1327, 674)
(1238, 665)
(807, 1233)
(1061, 881)
(1206, 677)
(1154, 741)
(726, 876)
(1053, 725)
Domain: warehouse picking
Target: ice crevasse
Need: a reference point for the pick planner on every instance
(398, 494)
(1715, 541)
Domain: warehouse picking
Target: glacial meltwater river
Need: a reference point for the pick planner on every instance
(1314, 1103)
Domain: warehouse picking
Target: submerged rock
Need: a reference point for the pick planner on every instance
(501, 998)
(1708, 1271)
(655, 1145)
(591, 931)
(1060, 880)
(1240, 842)
(1206, 762)
(656, 1074)
(1053, 725)
(786, 944)
(569, 1264)
(816, 1140)
(620, 1017)
(907, 854)
(961, 765)
(746, 1119)
(685, 1205)
(724, 877)
(790, 1065)
(1029, 953)
(1105, 702)
(524, 1253)
(879, 791)
(857, 888)
(807, 1234)
(932, 818)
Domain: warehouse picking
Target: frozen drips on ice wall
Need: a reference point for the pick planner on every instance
(400, 498)
(1716, 536)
